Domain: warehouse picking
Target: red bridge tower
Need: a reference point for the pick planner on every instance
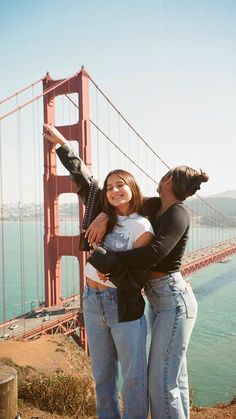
(55, 245)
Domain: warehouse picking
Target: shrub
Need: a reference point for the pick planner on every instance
(60, 393)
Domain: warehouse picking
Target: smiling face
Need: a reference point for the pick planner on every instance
(118, 194)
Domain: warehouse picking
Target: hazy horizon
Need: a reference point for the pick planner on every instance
(169, 67)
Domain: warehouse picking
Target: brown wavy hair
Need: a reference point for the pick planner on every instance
(135, 202)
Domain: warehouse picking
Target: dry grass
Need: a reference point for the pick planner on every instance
(67, 389)
(59, 393)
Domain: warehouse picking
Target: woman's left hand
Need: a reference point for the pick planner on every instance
(52, 134)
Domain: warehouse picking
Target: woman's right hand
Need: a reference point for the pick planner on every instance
(103, 277)
(52, 134)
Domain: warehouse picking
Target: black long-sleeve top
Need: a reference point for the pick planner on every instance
(171, 230)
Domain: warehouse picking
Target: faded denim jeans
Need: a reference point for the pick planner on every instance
(110, 341)
(172, 315)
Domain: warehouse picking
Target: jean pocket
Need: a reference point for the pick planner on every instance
(161, 289)
(190, 302)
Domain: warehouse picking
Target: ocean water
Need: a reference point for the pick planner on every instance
(212, 351)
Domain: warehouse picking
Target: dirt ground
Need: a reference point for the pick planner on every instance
(53, 353)
(48, 353)
(28, 412)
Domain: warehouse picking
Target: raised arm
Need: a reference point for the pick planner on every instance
(88, 188)
(79, 172)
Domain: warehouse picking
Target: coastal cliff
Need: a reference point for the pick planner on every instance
(49, 366)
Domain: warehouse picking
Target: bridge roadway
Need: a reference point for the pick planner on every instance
(201, 258)
(67, 318)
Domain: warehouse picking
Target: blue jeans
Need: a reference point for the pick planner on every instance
(110, 341)
(173, 312)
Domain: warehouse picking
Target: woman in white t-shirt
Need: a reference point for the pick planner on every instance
(109, 339)
(114, 319)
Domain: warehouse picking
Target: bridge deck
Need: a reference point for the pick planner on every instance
(67, 318)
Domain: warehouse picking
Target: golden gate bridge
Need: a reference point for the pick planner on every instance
(47, 201)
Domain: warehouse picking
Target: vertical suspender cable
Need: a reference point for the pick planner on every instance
(2, 234)
(98, 150)
(72, 292)
(119, 140)
(66, 220)
(108, 131)
(40, 194)
(35, 157)
(20, 208)
(56, 227)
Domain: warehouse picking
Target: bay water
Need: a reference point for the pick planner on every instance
(212, 351)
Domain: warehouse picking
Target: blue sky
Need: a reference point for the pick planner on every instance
(168, 65)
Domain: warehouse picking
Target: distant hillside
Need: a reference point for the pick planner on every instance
(225, 206)
(224, 202)
(227, 194)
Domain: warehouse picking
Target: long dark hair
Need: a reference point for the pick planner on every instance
(135, 202)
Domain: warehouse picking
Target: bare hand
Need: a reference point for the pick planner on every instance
(97, 229)
(103, 277)
(52, 134)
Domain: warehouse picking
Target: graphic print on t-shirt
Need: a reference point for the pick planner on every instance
(118, 240)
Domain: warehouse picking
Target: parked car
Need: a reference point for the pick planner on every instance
(37, 315)
(13, 326)
(6, 336)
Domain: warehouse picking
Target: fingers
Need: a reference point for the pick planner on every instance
(91, 235)
(49, 134)
(103, 277)
(52, 134)
(99, 236)
(49, 127)
(50, 138)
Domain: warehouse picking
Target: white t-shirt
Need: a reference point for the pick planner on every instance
(122, 238)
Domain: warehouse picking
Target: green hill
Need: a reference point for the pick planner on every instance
(220, 207)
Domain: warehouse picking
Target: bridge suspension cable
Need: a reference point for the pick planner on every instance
(127, 122)
(18, 108)
(221, 223)
(20, 91)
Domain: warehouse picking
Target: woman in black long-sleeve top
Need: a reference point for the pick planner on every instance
(173, 307)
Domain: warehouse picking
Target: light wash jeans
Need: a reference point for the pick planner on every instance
(173, 312)
(110, 341)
